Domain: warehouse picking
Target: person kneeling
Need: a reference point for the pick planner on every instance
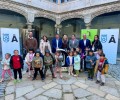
(37, 63)
(101, 69)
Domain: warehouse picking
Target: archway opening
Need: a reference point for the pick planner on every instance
(72, 26)
(43, 26)
(11, 19)
(108, 21)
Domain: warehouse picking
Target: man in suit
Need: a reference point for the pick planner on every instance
(73, 43)
(56, 43)
(85, 45)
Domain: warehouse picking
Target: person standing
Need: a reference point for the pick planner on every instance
(56, 43)
(96, 44)
(101, 69)
(28, 60)
(90, 64)
(76, 63)
(73, 43)
(48, 62)
(45, 45)
(6, 67)
(16, 63)
(30, 42)
(37, 63)
(85, 45)
(65, 42)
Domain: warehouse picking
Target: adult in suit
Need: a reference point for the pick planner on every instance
(56, 43)
(85, 45)
(73, 43)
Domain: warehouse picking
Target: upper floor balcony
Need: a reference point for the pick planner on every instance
(60, 6)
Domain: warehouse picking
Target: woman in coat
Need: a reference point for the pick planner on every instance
(96, 44)
(44, 45)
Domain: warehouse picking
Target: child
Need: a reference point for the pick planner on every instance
(6, 66)
(98, 53)
(101, 69)
(28, 60)
(58, 63)
(70, 61)
(48, 61)
(37, 63)
(16, 63)
(90, 64)
(76, 63)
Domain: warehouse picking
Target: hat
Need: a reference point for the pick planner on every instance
(47, 51)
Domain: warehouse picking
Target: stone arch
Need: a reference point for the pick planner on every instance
(71, 16)
(45, 15)
(107, 9)
(14, 9)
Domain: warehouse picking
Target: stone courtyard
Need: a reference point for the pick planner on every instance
(67, 88)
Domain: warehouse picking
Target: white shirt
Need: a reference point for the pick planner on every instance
(57, 43)
(84, 42)
(70, 60)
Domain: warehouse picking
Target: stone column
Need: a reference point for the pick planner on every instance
(30, 19)
(58, 25)
(29, 26)
(57, 28)
(87, 20)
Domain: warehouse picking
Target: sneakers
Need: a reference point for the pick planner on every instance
(1, 81)
(102, 84)
(97, 82)
(61, 76)
(33, 79)
(20, 80)
(75, 75)
(15, 81)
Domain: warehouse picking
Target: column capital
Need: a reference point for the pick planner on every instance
(29, 26)
(87, 20)
(57, 28)
(30, 17)
(88, 25)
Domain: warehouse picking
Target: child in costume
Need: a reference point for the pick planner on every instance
(101, 69)
(70, 62)
(6, 67)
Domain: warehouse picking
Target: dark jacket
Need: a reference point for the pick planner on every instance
(68, 61)
(97, 45)
(88, 63)
(21, 62)
(83, 47)
(54, 44)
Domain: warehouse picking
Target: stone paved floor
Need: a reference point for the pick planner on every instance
(68, 88)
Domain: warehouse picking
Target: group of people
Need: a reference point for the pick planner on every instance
(79, 53)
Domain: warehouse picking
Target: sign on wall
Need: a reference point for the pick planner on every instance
(90, 33)
(109, 40)
(9, 40)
